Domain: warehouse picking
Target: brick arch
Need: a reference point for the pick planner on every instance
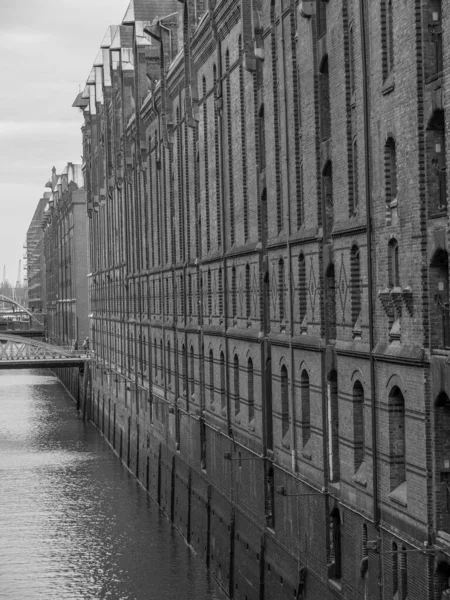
(396, 380)
(441, 578)
(358, 375)
(390, 135)
(304, 367)
(283, 361)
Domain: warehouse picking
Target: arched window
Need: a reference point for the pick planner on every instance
(192, 378)
(306, 407)
(393, 264)
(262, 139)
(302, 291)
(222, 382)
(250, 391)
(436, 164)
(190, 295)
(183, 369)
(209, 293)
(248, 297)
(333, 433)
(439, 298)
(327, 189)
(325, 109)
(233, 292)
(169, 364)
(355, 283)
(167, 298)
(144, 353)
(331, 301)
(397, 445)
(390, 171)
(281, 290)
(220, 292)
(237, 403)
(358, 424)
(264, 230)
(211, 377)
(182, 299)
(284, 401)
(335, 568)
(441, 580)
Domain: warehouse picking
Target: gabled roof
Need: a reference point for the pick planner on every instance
(109, 35)
(115, 43)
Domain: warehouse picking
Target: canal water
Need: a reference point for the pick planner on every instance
(74, 523)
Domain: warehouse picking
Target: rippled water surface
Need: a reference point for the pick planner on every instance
(74, 524)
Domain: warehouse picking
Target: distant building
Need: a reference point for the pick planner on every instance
(37, 299)
(65, 251)
(267, 190)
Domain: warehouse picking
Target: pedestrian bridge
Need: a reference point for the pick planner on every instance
(17, 352)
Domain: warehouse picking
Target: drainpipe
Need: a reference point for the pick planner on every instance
(288, 243)
(367, 166)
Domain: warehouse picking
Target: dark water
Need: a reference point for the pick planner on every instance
(74, 524)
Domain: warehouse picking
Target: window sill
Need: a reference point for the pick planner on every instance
(434, 77)
(400, 495)
(438, 214)
(388, 85)
(360, 477)
(336, 584)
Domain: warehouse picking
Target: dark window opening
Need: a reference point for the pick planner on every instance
(358, 424)
(327, 190)
(434, 48)
(393, 264)
(335, 565)
(250, 391)
(331, 302)
(284, 401)
(397, 445)
(325, 107)
(333, 433)
(306, 407)
(237, 402)
(321, 9)
(390, 171)
(436, 163)
(439, 301)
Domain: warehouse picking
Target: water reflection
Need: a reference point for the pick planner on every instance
(74, 523)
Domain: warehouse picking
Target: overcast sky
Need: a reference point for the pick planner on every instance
(47, 48)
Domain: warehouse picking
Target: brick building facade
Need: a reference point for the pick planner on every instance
(268, 233)
(35, 258)
(65, 248)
